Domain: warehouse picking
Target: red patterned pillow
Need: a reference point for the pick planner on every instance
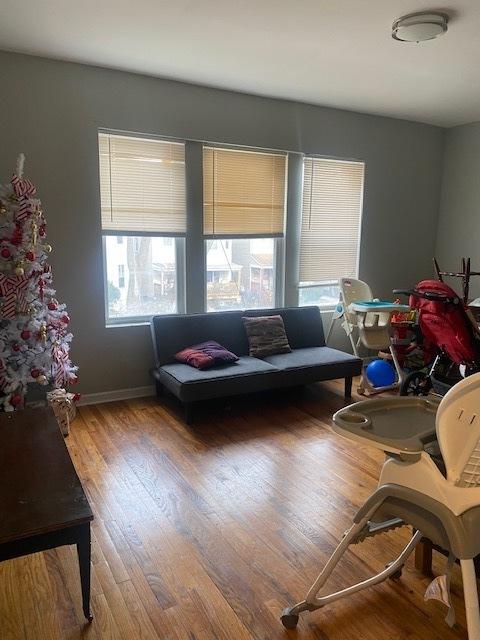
(206, 355)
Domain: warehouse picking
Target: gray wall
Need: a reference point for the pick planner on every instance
(52, 110)
(459, 220)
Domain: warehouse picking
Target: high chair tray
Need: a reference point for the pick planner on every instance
(373, 306)
(398, 425)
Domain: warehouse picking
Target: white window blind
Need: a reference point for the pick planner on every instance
(142, 185)
(243, 193)
(331, 216)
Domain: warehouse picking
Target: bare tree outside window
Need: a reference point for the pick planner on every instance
(148, 271)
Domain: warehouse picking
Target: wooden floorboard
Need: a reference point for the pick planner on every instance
(208, 532)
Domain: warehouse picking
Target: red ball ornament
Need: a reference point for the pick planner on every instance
(17, 236)
(5, 253)
(25, 335)
(15, 400)
(65, 319)
(15, 347)
(42, 232)
(52, 305)
(30, 256)
(76, 397)
(35, 373)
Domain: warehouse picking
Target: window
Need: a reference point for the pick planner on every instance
(330, 234)
(144, 226)
(244, 219)
(240, 273)
(142, 188)
(121, 275)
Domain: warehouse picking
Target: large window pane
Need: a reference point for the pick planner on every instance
(323, 295)
(240, 274)
(141, 276)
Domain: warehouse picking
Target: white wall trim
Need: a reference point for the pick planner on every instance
(118, 394)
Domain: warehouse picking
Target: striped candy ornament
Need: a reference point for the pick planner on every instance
(24, 210)
(12, 289)
(61, 359)
(24, 189)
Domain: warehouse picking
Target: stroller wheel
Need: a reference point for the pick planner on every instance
(416, 383)
(289, 620)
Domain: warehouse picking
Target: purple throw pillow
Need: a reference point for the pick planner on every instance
(205, 355)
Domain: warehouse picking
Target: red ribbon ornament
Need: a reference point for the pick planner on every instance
(24, 189)
(12, 289)
(61, 359)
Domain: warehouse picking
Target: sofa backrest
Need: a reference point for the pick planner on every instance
(303, 325)
(172, 333)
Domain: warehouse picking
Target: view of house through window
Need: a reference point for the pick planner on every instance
(141, 276)
(240, 273)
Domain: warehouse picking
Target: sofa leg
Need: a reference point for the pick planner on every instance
(348, 388)
(188, 408)
(159, 388)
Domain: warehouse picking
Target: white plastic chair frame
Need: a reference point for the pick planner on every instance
(457, 427)
(371, 329)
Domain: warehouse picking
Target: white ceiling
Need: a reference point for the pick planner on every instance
(336, 53)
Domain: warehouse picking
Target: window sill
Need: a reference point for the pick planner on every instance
(133, 323)
(327, 309)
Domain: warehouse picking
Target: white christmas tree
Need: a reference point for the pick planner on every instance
(34, 335)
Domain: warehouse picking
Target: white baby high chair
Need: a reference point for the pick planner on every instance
(367, 325)
(441, 505)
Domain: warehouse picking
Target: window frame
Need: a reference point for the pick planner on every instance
(179, 239)
(283, 255)
(328, 308)
(126, 321)
(278, 240)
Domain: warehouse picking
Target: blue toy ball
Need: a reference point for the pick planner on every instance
(380, 373)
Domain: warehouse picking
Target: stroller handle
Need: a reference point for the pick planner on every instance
(426, 295)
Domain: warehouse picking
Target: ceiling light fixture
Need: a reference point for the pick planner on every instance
(417, 27)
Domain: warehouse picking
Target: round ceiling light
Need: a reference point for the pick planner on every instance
(417, 27)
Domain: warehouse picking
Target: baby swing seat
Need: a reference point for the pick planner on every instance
(440, 502)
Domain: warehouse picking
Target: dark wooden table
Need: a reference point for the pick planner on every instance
(42, 503)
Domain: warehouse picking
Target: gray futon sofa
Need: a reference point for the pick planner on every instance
(310, 360)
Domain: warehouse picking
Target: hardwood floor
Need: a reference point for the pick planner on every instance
(207, 533)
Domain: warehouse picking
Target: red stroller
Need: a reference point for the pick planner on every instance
(450, 339)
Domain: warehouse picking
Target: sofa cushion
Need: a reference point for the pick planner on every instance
(315, 363)
(244, 376)
(206, 355)
(266, 336)
(303, 325)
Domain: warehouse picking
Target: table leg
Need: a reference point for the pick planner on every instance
(84, 559)
(423, 557)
